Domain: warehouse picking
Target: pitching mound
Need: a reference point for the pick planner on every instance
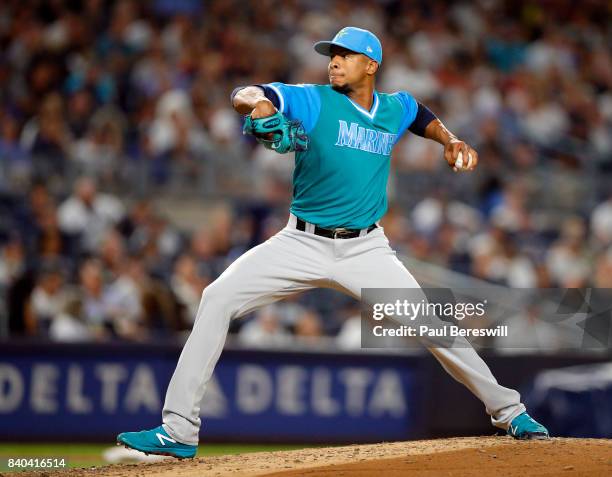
(469, 456)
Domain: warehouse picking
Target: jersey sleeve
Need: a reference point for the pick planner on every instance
(423, 117)
(300, 101)
(409, 108)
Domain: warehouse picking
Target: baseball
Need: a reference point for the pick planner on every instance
(459, 162)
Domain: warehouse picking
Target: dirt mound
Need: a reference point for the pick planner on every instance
(561, 459)
(470, 456)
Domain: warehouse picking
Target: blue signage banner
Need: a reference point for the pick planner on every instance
(94, 392)
(574, 401)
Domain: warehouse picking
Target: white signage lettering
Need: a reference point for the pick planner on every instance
(388, 396)
(11, 388)
(142, 390)
(110, 375)
(214, 403)
(76, 401)
(322, 402)
(43, 394)
(254, 389)
(356, 381)
(290, 390)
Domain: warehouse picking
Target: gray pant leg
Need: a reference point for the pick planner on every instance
(287, 263)
(373, 264)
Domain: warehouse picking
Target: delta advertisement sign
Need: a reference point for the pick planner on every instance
(253, 396)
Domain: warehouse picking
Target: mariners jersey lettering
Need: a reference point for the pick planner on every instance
(369, 140)
(341, 180)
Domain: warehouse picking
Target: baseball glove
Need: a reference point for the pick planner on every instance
(278, 133)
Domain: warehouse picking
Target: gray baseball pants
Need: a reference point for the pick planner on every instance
(293, 261)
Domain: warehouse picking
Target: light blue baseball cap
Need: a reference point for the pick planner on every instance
(354, 39)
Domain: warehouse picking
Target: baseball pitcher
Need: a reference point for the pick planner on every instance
(342, 134)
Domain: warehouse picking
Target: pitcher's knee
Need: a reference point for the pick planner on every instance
(218, 295)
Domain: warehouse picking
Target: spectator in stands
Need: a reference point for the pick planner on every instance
(112, 253)
(601, 223)
(69, 325)
(568, 260)
(530, 333)
(100, 153)
(308, 327)
(188, 283)
(603, 270)
(175, 135)
(96, 308)
(17, 280)
(264, 330)
(349, 336)
(51, 242)
(204, 250)
(511, 213)
(124, 300)
(47, 137)
(46, 300)
(88, 214)
(15, 163)
(80, 108)
(12, 262)
(28, 213)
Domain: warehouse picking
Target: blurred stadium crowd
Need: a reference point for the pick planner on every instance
(108, 109)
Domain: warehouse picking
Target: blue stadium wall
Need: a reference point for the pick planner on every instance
(92, 392)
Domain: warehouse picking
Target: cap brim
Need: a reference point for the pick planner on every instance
(324, 47)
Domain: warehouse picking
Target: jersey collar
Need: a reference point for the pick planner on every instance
(372, 112)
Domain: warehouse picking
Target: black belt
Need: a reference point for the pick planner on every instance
(339, 233)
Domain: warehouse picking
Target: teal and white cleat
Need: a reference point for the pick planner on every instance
(524, 427)
(156, 441)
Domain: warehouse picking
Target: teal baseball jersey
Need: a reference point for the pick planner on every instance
(341, 180)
